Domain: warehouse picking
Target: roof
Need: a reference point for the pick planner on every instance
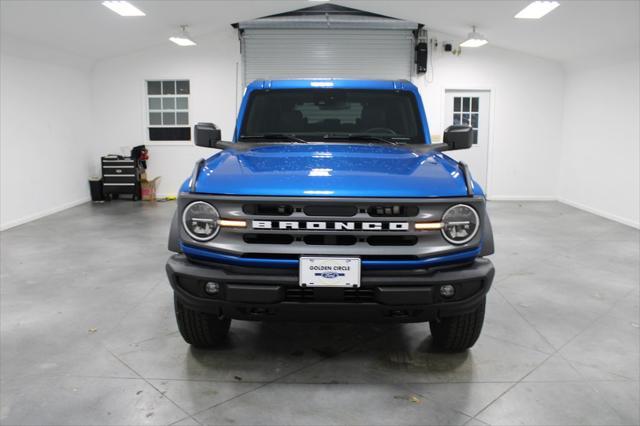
(327, 16)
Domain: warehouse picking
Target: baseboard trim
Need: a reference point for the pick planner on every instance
(599, 212)
(40, 215)
(520, 198)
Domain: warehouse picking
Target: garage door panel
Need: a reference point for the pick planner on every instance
(278, 54)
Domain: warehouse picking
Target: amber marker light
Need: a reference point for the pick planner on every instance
(225, 223)
(428, 226)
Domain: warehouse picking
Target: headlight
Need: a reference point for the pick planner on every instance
(200, 220)
(460, 224)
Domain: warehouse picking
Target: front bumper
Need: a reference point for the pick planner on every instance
(384, 296)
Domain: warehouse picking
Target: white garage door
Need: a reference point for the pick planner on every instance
(338, 53)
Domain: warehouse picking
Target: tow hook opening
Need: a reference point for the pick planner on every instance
(398, 313)
(257, 311)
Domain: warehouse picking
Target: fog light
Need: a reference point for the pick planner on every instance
(211, 288)
(447, 291)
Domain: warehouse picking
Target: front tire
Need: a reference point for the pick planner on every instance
(200, 329)
(460, 332)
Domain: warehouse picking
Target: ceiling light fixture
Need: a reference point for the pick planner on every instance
(537, 9)
(123, 8)
(183, 38)
(474, 39)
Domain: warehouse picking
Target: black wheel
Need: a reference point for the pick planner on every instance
(200, 329)
(458, 333)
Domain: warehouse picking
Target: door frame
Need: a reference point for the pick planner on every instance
(492, 104)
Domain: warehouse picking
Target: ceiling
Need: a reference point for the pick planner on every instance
(574, 31)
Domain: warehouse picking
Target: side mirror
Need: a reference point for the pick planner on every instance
(458, 137)
(206, 134)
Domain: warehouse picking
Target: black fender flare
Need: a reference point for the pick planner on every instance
(487, 236)
(174, 234)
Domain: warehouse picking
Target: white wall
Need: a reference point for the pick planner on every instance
(526, 116)
(45, 138)
(118, 86)
(599, 169)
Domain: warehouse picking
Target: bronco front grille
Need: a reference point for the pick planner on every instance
(290, 227)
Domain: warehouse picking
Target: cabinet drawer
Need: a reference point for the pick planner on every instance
(123, 178)
(121, 163)
(119, 185)
(118, 170)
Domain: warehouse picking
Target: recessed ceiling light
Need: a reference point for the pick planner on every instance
(474, 39)
(123, 8)
(183, 38)
(537, 9)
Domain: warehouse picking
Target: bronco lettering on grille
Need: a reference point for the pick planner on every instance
(329, 226)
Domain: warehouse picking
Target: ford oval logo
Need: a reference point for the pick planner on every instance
(330, 275)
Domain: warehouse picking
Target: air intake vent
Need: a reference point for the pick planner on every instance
(392, 240)
(338, 211)
(354, 295)
(330, 240)
(268, 209)
(393, 211)
(267, 239)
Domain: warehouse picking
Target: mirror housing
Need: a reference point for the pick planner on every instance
(206, 135)
(458, 137)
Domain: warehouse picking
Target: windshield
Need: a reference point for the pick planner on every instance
(341, 114)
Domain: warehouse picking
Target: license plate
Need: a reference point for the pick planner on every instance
(329, 272)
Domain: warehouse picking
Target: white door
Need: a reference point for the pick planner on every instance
(471, 107)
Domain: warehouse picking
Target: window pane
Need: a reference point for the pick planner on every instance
(475, 136)
(182, 103)
(155, 118)
(474, 121)
(168, 87)
(475, 104)
(466, 120)
(168, 103)
(456, 104)
(456, 119)
(169, 118)
(182, 118)
(155, 103)
(321, 112)
(183, 87)
(465, 105)
(153, 87)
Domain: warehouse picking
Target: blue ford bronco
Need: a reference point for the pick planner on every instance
(331, 204)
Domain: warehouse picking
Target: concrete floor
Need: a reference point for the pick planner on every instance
(89, 337)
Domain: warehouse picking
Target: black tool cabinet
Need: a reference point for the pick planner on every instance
(120, 175)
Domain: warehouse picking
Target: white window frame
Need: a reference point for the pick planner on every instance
(147, 111)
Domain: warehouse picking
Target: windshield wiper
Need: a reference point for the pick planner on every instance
(270, 136)
(362, 138)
